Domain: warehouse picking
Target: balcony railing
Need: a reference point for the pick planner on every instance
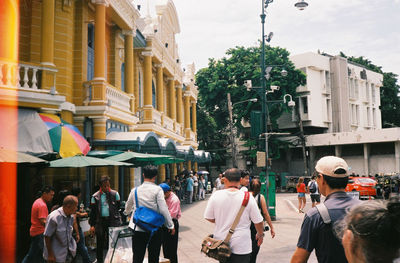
(178, 128)
(117, 98)
(157, 117)
(168, 123)
(192, 136)
(24, 76)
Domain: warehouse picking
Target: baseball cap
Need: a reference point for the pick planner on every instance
(332, 166)
(165, 187)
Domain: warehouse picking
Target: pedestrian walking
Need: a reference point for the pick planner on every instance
(262, 206)
(80, 214)
(104, 213)
(170, 242)
(195, 187)
(39, 215)
(222, 208)
(202, 188)
(301, 194)
(60, 245)
(370, 232)
(151, 196)
(316, 230)
(244, 180)
(312, 189)
(189, 189)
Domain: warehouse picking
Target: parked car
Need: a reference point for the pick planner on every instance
(291, 182)
(365, 186)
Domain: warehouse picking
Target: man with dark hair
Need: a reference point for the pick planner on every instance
(38, 220)
(316, 230)
(244, 180)
(312, 188)
(222, 209)
(104, 213)
(151, 196)
(60, 245)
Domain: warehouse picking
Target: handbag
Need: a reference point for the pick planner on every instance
(219, 249)
(146, 218)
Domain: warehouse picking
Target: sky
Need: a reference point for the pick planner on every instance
(355, 27)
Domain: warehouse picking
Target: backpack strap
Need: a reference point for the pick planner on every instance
(136, 200)
(323, 211)
(237, 218)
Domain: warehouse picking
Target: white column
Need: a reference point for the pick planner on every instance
(366, 158)
(397, 156)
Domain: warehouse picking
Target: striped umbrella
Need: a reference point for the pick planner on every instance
(65, 138)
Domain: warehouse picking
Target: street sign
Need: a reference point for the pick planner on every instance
(260, 159)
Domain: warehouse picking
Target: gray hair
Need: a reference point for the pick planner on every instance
(233, 175)
(376, 229)
(70, 200)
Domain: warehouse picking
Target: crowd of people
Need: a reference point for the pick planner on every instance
(340, 229)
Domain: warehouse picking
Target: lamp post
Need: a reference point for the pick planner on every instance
(230, 107)
(301, 5)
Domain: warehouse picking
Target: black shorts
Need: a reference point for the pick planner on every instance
(315, 198)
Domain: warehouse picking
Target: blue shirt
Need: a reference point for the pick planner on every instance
(105, 209)
(189, 186)
(315, 234)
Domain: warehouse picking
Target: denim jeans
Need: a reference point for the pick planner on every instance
(35, 253)
(81, 248)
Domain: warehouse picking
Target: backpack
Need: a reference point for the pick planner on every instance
(313, 187)
(146, 218)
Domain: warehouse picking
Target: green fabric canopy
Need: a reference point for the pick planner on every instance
(84, 161)
(141, 159)
(10, 156)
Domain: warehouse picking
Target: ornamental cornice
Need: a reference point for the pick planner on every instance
(101, 2)
(147, 53)
(129, 32)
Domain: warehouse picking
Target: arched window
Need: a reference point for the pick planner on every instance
(153, 94)
(123, 76)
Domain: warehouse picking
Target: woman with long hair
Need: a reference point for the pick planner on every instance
(255, 188)
(301, 194)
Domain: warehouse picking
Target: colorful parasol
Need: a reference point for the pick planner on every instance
(65, 138)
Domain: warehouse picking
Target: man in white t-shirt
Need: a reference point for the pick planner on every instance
(222, 209)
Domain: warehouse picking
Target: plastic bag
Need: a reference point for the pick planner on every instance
(120, 238)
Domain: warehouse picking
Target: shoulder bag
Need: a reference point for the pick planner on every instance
(146, 218)
(219, 249)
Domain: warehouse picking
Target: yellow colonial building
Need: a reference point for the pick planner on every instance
(111, 68)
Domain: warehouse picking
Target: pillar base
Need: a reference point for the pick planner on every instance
(98, 96)
(147, 114)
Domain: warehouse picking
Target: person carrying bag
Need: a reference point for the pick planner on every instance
(232, 212)
(219, 249)
(151, 212)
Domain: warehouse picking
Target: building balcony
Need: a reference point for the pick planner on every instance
(168, 123)
(118, 99)
(30, 83)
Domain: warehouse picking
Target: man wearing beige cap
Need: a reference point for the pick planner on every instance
(316, 231)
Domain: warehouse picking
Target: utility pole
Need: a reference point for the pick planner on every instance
(233, 146)
(303, 139)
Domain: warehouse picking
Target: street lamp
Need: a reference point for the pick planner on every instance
(301, 5)
(230, 106)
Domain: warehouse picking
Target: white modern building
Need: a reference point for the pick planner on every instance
(340, 96)
(339, 109)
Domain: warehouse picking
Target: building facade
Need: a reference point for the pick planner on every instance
(113, 71)
(340, 111)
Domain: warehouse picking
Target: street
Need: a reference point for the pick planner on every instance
(193, 228)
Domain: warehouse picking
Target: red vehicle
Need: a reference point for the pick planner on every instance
(365, 186)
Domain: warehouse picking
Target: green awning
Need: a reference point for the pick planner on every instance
(141, 159)
(84, 161)
(103, 154)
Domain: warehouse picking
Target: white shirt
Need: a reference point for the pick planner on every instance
(223, 206)
(316, 185)
(195, 181)
(244, 189)
(151, 196)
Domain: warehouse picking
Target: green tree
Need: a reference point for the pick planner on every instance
(227, 75)
(389, 92)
